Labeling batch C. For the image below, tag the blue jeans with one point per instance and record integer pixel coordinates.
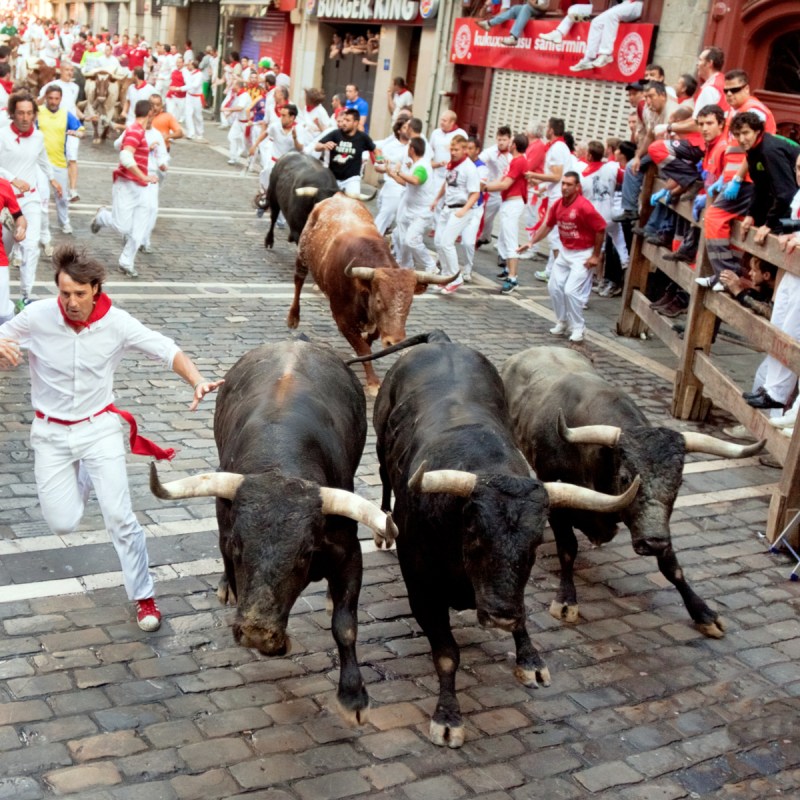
(522, 14)
(632, 185)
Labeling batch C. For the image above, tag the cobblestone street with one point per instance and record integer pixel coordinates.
(642, 706)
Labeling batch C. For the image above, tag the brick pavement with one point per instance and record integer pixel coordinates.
(641, 705)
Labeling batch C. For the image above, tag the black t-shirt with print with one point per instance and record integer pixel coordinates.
(346, 156)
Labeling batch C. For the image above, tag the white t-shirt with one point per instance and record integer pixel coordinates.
(460, 182)
(403, 100)
(496, 162)
(283, 141)
(309, 119)
(69, 94)
(599, 189)
(558, 155)
(417, 199)
(134, 95)
(440, 146)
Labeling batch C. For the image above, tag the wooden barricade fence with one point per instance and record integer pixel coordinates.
(699, 381)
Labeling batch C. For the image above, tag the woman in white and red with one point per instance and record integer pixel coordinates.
(8, 201)
(130, 207)
(581, 230)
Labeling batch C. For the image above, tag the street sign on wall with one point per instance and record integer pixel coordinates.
(478, 48)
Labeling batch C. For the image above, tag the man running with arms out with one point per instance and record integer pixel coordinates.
(581, 231)
(75, 342)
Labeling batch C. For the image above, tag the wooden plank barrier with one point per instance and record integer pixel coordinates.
(699, 380)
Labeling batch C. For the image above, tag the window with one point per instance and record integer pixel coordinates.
(783, 68)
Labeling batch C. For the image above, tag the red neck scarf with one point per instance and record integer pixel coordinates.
(19, 134)
(141, 84)
(553, 141)
(101, 306)
(593, 167)
(454, 164)
(7, 85)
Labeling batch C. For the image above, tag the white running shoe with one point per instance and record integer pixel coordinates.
(603, 60)
(582, 65)
(554, 36)
(561, 329)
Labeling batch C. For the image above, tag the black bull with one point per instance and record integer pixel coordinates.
(293, 172)
(471, 517)
(574, 426)
(290, 426)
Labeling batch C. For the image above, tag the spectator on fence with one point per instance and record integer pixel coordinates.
(521, 14)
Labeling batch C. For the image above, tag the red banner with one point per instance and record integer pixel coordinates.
(476, 47)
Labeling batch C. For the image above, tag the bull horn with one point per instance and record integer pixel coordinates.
(452, 481)
(350, 505)
(307, 191)
(365, 273)
(607, 435)
(209, 484)
(701, 443)
(430, 277)
(568, 495)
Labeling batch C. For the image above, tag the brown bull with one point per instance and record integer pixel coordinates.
(369, 300)
(102, 93)
(39, 75)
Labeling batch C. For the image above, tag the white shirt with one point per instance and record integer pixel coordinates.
(460, 183)
(599, 189)
(133, 96)
(496, 162)
(709, 95)
(440, 146)
(194, 81)
(107, 63)
(283, 141)
(159, 156)
(309, 119)
(417, 199)
(394, 152)
(72, 373)
(24, 159)
(241, 108)
(558, 154)
(188, 56)
(403, 100)
(69, 94)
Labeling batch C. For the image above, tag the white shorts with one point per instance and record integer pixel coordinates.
(72, 146)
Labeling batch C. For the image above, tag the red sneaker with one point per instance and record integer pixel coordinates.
(147, 615)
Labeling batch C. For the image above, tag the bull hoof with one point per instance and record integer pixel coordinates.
(532, 677)
(97, 141)
(292, 321)
(224, 592)
(373, 389)
(354, 716)
(714, 630)
(564, 612)
(446, 735)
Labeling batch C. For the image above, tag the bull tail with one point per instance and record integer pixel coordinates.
(420, 338)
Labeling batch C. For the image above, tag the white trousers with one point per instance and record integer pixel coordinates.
(448, 229)
(780, 380)
(604, 27)
(129, 215)
(388, 203)
(569, 287)
(6, 306)
(508, 222)
(151, 195)
(469, 237)
(491, 207)
(193, 121)
(31, 206)
(350, 186)
(68, 460)
(236, 143)
(177, 107)
(61, 203)
(409, 240)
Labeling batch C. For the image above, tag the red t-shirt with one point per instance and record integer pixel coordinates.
(134, 137)
(578, 223)
(516, 171)
(535, 154)
(78, 49)
(136, 57)
(8, 199)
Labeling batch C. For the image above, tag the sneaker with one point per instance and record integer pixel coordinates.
(614, 291)
(706, 282)
(541, 275)
(48, 250)
(717, 287)
(74, 196)
(509, 41)
(598, 287)
(576, 337)
(145, 248)
(561, 329)
(603, 60)
(739, 432)
(467, 278)
(554, 36)
(582, 65)
(148, 617)
(452, 288)
(66, 229)
(233, 162)
(511, 285)
(503, 274)
(96, 226)
(483, 24)
(129, 271)
(626, 216)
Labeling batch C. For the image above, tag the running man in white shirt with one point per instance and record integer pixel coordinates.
(391, 150)
(193, 119)
(138, 90)
(75, 342)
(285, 136)
(237, 112)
